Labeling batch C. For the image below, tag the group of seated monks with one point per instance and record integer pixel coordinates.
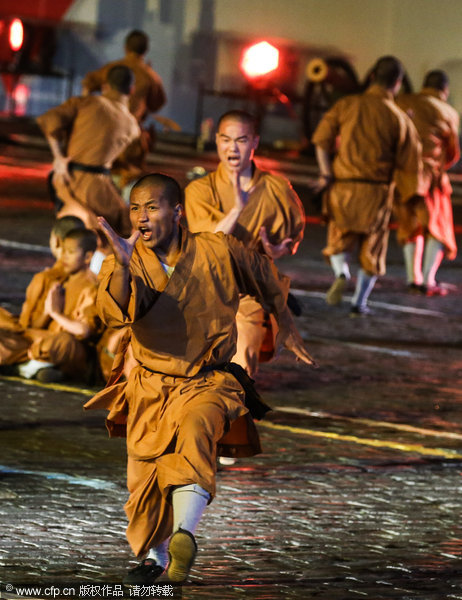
(58, 334)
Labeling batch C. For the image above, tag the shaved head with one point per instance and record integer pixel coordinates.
(172, 190)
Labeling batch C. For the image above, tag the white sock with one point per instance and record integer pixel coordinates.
(29, 369)
(418, 259)
(364, 286)
(159, 554)
(96, 261)
(409, 253)
(433, 256)
(339, 264)
(189, 502)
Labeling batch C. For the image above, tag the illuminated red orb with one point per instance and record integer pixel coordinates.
(16, 36)
(259, 59)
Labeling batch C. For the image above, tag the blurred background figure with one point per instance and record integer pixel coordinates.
(426, 228)
(148, 97)
(377, 148)
(85, 136)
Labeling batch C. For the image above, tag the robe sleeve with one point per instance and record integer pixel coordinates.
(34, 294)
(328, 129)
(86, 312)
(257, 276)
(142, 296)
(294, 214)
(156, 97)
(93, 81)
(58, 120)
(408, 173)
(452, 144)
(201, 207)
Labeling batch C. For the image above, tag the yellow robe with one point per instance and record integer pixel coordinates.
(377, 148)
(95, 130)
(438, 126)
(147, 97)
(271, 203)
(52, 343)
(176, 407)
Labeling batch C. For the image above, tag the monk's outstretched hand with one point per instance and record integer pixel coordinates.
(295, 344)
(275, 251)
(122, 248)
(289, 337)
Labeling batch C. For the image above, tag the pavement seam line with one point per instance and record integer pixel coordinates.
(370, 422)
(416, 448)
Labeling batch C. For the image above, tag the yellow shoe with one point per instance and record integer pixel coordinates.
(335, 292)
(182, 551)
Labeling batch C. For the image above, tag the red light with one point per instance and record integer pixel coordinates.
(16, 36)
(21, 95)
(259, 59)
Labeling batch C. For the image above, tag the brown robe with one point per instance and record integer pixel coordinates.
(95, 130)
(32, 311)
(438, 126)
(52, 343)
(148, 97)
(272, 203)
(377, 149)
(176, 407)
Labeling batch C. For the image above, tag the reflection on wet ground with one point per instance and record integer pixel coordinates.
(356, 494)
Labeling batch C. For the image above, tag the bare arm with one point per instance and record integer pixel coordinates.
(60, 161)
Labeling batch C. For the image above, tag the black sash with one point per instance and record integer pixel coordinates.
(253, 400)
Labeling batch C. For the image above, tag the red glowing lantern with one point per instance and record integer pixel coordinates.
(259, 60)
(16, 35)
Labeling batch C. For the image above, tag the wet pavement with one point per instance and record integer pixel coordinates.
(357, 492)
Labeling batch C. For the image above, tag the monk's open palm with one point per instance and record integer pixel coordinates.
(122, 248)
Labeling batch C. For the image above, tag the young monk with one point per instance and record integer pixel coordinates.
(54, 343)
(179, 293)
(32, 311)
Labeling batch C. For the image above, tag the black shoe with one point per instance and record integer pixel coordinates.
(144, 574)
(49, 375)
(359, 311)
(414, 288)
(182, 551)
(9, 370)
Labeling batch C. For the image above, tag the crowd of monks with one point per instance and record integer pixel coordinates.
(188, 300)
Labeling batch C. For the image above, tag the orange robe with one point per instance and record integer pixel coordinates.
(96, 129)
(438, 126)
(32, 311)
(377, 150)
(52, 343)
(271, 203)
(176, 407)
(148, 97)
